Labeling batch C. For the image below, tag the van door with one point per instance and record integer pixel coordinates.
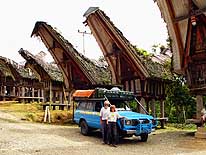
(96, 116)
(89, 109)
(80, 112)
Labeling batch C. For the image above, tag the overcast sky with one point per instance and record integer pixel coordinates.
(139, 20)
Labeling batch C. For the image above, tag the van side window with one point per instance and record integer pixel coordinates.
(81, 106)
(98, 106)
(90, 106)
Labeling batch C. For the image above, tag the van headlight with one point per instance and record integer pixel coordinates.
(128, 122)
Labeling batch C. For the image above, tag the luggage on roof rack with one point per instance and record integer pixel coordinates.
(104, 93)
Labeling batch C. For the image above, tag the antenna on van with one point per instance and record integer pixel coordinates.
(141, 106)
(106, 99)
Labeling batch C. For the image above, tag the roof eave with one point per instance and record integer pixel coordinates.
(90, 11)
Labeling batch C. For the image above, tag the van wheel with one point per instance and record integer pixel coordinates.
(84, 127)
(144, 137)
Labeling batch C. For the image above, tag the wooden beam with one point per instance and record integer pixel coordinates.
(44, 40)
(176, 29)
(103, 47)
(69, 54)
(187, 46)
(194, 13)
(119, 40)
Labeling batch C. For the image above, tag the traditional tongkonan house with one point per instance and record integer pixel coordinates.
(17, 83)
(186, 23)
(8, 77)
(78, 71)
(135, 72)
(48, 74)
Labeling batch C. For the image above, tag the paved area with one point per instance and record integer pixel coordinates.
(22, 138)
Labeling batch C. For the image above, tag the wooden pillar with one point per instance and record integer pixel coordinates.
(39, 95)
(162, 108)
(153, 108)
(64, 95)
(162, 113)
(32, 89)
(23, 93)
(137, 86)
(4, 90)
(50, 92)
(132, 86)
(60, 97)
(142, 102)
(4, 93)
(1, 90)
(127, 85)
(19, 92)
(199, 105)
(63, 99)
(42, 95)
(14, 91)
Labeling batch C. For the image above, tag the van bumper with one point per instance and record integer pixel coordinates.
(130, 132)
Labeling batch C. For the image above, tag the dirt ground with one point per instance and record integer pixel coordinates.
(23, 138)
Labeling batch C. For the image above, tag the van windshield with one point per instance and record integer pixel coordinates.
(120, 105)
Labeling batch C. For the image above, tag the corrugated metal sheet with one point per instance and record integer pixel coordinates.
(83, 93)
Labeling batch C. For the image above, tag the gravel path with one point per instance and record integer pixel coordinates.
(22, 138)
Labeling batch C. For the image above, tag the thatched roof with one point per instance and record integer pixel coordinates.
(95, 73)
(177, 14)
(4, 67)
(50, 69)
(13, 69)
(150, 68)
(164, 56)
(158, 65)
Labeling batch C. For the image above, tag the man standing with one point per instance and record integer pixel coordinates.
(203, 116)
(104, 113)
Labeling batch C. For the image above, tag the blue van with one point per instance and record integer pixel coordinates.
(90, 102)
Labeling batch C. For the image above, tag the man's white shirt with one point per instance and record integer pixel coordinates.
(104, 113)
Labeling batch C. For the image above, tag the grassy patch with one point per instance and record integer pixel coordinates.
(182, 126)
(35, 113)
(170, 127)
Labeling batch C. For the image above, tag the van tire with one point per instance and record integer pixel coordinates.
(84, 128)
(144, 137)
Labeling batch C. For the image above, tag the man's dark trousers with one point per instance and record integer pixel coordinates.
(104, 131)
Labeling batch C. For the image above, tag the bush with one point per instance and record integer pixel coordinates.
(30, 117)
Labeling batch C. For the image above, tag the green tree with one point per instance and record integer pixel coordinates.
(141, 51)
(179, 103)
